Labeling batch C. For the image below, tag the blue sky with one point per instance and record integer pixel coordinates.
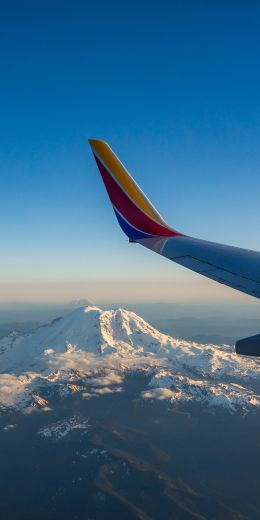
(174, 88)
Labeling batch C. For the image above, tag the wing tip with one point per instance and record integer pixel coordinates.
(94, 142)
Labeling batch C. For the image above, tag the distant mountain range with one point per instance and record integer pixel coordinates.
(92, 350)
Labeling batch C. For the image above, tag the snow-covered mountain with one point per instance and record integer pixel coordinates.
(91, 351)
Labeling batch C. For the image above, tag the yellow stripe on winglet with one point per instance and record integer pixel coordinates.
(120, 174)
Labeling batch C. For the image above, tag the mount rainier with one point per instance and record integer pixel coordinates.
(91, 351)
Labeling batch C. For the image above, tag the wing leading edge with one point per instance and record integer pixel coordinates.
(232, 266)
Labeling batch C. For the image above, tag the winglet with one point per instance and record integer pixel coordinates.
(136, 215)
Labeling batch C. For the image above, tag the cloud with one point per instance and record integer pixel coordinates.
(111, 378)
(14, 391)
(107, 390)
(158, 393)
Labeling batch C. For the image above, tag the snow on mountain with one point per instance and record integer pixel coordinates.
(90, 351)
(62, 428)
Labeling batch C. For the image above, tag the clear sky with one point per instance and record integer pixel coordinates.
(174, 87)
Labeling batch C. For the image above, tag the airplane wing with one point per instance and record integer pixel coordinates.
(232, 266)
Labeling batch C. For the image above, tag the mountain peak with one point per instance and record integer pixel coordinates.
(90, 308)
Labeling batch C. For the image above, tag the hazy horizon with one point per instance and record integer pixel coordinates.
(179, 285)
